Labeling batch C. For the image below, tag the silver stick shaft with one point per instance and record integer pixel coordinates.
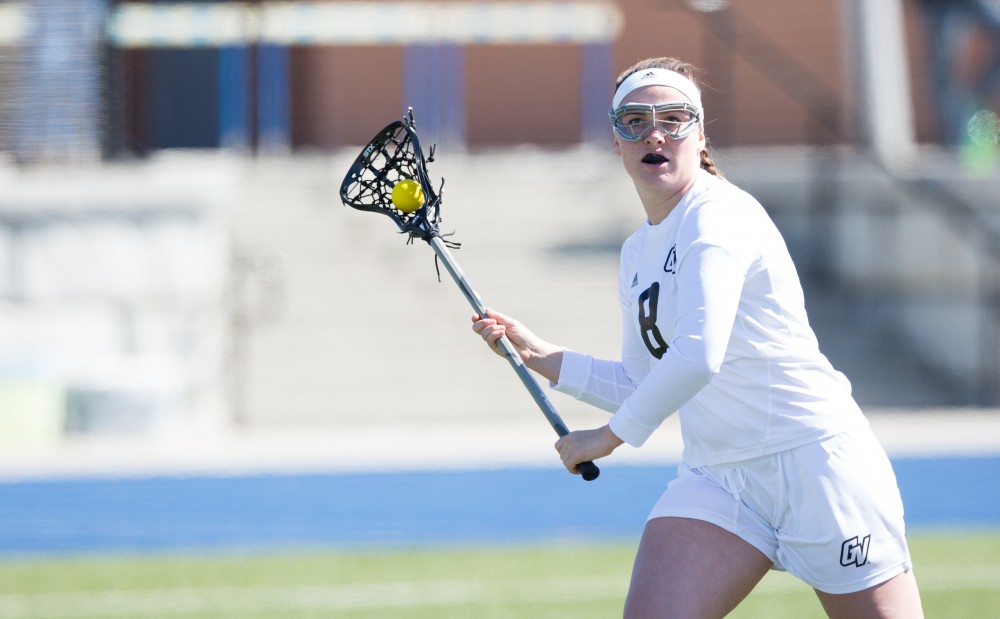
(588, 470)
(505, 346)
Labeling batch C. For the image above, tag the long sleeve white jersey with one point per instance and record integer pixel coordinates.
(714, 326)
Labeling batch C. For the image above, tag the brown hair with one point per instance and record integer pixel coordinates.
(687, 70)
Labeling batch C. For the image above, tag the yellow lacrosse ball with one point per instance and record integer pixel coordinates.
(407, 195)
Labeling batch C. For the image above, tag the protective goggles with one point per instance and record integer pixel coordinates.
(634, 121)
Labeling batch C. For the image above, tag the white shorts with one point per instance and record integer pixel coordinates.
(829, 512)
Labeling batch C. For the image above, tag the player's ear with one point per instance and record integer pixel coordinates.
(616, 147)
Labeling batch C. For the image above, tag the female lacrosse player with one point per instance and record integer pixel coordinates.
(780, 469)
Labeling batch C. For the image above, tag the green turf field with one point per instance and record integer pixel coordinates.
(959, 575)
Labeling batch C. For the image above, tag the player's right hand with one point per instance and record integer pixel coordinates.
(494, 326)
(539, 355)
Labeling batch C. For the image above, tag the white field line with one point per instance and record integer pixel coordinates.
(984, 577)
(182, 601)
(190, 600)
(969, 577)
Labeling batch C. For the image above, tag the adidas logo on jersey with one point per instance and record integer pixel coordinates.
(635, 280)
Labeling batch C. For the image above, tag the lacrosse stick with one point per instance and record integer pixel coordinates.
(393, 156)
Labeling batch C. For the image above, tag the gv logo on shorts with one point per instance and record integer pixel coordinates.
(854, 551)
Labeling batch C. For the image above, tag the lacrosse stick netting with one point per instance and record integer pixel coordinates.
(392, 156)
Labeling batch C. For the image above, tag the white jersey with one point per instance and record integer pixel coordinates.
(714, 325)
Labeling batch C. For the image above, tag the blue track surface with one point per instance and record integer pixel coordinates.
(404, 508)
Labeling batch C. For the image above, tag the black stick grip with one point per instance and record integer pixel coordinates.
(588, 470)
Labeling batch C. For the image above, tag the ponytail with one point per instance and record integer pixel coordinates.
(708, 164)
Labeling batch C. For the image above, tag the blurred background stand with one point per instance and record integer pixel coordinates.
(173, 255)
(112, 298)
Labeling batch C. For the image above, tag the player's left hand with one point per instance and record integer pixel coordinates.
(586, 445)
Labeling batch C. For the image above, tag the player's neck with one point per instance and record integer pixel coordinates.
(659, 203)
(659, 206)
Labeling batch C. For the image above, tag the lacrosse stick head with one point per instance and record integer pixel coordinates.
(392, 156)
